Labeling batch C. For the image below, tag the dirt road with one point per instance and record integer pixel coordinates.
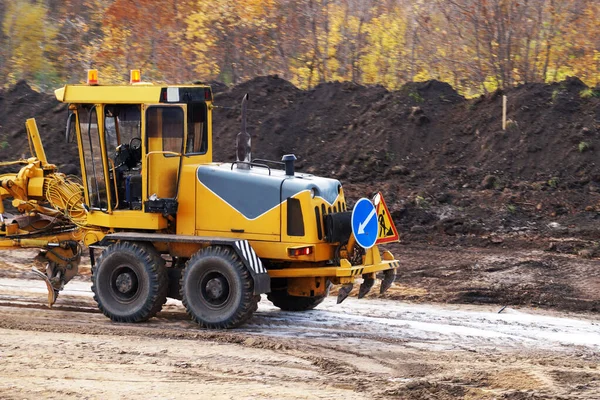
(370, 348)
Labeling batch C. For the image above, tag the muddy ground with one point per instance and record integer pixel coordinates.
(404, 344)
(490, 220)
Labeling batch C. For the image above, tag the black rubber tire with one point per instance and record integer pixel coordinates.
(143, 269)
(287, 302)
(235, 302)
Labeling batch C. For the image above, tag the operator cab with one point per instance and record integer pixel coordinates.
(134, 141)
(122, 125)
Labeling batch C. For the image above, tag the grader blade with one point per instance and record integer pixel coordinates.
(344, 292)
(52, 293)
(388, 278)
(366, 286)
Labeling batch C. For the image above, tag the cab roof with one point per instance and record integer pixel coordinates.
(133, 94)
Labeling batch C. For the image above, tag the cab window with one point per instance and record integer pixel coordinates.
(197, 139)
(165, 123)
(122, 123)
(92, 157)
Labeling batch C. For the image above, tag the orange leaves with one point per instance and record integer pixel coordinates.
(475, 45)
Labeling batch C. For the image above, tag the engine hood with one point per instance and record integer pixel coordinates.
(253, 192)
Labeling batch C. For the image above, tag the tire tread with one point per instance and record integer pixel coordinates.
(153, 264)
(249, 302)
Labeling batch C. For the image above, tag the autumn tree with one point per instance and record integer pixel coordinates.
(3, 39)
(79, 35)
(142, 34)
(475, 45)
(29, 43)
(233, 41)
(385, 52)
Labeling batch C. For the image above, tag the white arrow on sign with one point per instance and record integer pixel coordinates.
(361, 226)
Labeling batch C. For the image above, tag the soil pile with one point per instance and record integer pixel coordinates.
(424, 130)
(19, 103)
(443, 162)
(449, 173)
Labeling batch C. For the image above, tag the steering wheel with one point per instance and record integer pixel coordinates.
(135, 143)
(135, 151)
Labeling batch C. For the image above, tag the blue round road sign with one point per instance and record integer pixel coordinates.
(364, 223)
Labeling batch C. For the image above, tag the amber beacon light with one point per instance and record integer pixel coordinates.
(135, 76)
(92, 77)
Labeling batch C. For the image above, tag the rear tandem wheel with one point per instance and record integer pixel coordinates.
(129, 282)
(217, 290)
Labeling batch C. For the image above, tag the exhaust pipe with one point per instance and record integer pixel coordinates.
(243, 141)
(289, 159)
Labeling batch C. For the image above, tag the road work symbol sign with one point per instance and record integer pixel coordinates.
(387, 230)
(364, 223)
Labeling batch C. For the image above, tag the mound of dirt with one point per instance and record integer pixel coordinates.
(443, 162)
(422, 131)
(19, 103)
(449, 173)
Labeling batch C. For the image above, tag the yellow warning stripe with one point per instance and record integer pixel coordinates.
(340, 271)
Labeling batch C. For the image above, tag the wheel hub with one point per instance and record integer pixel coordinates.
(124, 282)
(215, 288)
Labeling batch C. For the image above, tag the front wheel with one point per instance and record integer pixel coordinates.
(287, 302)
(129, 282)
(217, 289)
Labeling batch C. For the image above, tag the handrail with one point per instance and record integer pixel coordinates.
(269, 161)
(162, 152)
(251, 163)
(112, 163)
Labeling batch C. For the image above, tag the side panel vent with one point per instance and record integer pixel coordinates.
(295, 222)
(319, 228)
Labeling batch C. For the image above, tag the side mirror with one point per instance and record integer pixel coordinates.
(70, 131)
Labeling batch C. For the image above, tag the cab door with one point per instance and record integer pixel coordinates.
(165, 127)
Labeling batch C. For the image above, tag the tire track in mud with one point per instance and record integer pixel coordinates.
(496, 275)
(374, 320)
(221, 365)
(363, 349)
(346, 375)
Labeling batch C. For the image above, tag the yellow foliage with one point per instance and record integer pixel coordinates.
(305, 41)
(386, 51)
(214, 28)
(31, 39)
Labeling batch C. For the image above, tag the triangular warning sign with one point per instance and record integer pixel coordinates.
(387, 230)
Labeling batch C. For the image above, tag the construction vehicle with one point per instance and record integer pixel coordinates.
(161, 219)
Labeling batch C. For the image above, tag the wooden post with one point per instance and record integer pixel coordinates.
(504, 112)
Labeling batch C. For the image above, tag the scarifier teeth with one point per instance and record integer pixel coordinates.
(388, 278)
(328, 285)
(344, 292)
(365, 287)
(52, 293)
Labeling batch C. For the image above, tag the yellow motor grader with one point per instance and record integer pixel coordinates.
(161, 219)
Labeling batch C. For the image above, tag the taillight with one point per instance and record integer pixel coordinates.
(300, 251)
